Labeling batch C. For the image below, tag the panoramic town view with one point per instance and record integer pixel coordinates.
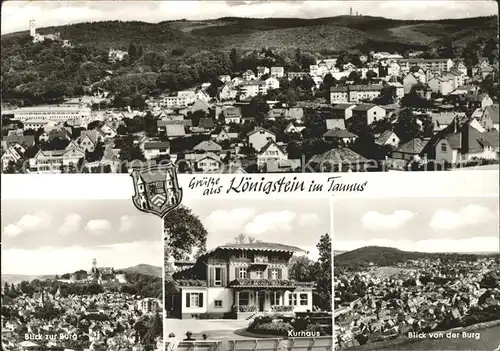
(417, 274)
(96, 284)
(374, 87)
(252, 282)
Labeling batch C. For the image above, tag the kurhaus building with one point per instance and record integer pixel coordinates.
(238, 281)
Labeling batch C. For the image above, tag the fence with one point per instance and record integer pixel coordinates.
(324, 343)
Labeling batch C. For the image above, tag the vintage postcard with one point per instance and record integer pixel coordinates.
(250, 175)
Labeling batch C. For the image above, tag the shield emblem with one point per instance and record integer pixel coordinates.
(157, 189)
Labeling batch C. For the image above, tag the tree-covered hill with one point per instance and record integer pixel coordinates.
(388, 256)
(336, 33)
(119, 35)
(176, 55)
(145, 269)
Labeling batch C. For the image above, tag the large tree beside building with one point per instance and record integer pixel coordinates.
(184, 233)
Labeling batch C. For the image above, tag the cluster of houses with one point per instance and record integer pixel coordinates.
(392, 308)
(90, 322)
(465, 122)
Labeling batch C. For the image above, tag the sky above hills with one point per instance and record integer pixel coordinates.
(420, 224)
(16, 14)
(60, 236)
(291, 222)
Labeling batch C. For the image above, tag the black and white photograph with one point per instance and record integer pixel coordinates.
(416, 274)
(249, 86)
(249, 274)
(81, 275)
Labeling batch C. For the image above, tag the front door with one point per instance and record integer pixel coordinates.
(262, 300)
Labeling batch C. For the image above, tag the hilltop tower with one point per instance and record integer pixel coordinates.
(32, 28)
(350, 13)
(94, 264)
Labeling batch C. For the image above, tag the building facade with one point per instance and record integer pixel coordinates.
(56, 113)
(239, 281)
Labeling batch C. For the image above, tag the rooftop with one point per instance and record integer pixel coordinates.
(339, 133)
(414, 146)
(340, 155)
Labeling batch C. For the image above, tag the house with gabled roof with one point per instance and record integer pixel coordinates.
(442, 85)
(224, 135)
(152, 149)
(89, 138)
(335, 123)
(259, 137)
(208, 162)
(340, 135)
(409, 150)
(232, 114)
(11, 155)
(342, 111)
(208, 146)
(481, 100)
(387, 138)
(239, 281)
(52, 161)
(292, 128)
(338, 160)
(441, 120)
(270, 152)
(462, 142)
(108, 131)
(227, 92)
(489, 119)
(369, 113)
(205, 162)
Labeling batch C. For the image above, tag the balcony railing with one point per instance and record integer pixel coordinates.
(260, 260)
(276, 283)
(191, 282)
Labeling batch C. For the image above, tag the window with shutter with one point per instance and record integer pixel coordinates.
(218, 276)
(200, 300)
(212, 276)
(224, 277)
(280, 273)
(188, 300)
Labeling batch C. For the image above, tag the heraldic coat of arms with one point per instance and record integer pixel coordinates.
(157, 189)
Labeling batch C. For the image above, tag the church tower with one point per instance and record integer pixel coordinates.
(32, 28)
